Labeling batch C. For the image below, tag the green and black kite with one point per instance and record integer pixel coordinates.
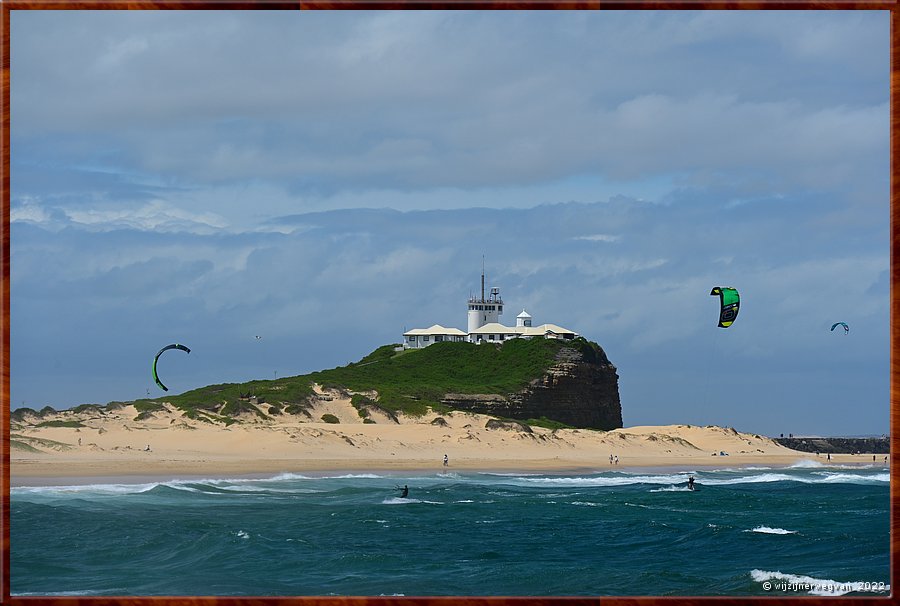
(166, 348)
(730, 303)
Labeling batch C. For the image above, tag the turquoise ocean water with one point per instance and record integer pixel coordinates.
(808, 529)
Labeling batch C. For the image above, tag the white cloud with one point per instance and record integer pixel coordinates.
(28, 210)
(599, 238)
(155, 216)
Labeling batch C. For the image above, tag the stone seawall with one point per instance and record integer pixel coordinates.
(838, 445)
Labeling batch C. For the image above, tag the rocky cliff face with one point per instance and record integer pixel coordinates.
(581, 389)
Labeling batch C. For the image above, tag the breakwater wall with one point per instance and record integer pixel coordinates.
(838, 445)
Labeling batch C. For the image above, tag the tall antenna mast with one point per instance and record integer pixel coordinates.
(482, 277)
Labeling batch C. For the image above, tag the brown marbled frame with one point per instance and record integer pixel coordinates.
(8, 5)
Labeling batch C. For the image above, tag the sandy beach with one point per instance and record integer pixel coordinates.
(113, 444)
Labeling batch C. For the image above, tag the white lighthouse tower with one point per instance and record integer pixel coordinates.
(484, 310)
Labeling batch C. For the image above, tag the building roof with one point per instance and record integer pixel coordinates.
(495, 328)
(436, 329)
(539, 331)
(524, 314)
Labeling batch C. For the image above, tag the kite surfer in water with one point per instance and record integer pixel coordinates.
(403, 491)
(691, 483)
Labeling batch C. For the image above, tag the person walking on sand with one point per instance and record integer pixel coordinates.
(446, 460)
(610, 459)
(617, 459)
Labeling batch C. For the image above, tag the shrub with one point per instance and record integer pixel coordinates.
(61, 424)
(20, 413)
(330, 418)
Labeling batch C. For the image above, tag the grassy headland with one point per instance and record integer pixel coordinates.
(408, 381)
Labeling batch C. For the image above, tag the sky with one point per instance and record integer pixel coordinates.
(327, 180)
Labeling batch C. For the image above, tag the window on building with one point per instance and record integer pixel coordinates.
(426, 338)
(412, 339)
(438, 338)
(490, 337)
(500, 308)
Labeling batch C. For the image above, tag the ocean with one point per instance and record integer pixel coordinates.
(810, 529)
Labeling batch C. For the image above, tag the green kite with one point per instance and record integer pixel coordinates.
(730, 302)
(167, 347)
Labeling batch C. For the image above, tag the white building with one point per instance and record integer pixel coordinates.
(483, 317)
(423, 337)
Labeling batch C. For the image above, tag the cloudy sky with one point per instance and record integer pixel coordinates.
(328, 179)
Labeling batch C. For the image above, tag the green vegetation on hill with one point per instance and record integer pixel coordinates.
(414, 380)
(408, 381)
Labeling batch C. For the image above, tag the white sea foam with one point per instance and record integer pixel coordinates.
(243, 535)
(402, 501)
(781, 583)
(768, 530)
(614, 480)
(586, 504)
(805, 464)
(753, 479)
(242, 489)
(672, 488)
(290, 476)
(853, 478)
(506, 474)
(708, 478)
(97, 489)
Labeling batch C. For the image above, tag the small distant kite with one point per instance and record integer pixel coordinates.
(844, 324)
(166, 348)
(258, 337)
(730, 303)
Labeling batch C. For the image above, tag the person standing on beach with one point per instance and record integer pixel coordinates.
(617, 459)
(446, 460)
(610, 459)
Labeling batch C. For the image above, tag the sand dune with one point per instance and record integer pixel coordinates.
(114, 443)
